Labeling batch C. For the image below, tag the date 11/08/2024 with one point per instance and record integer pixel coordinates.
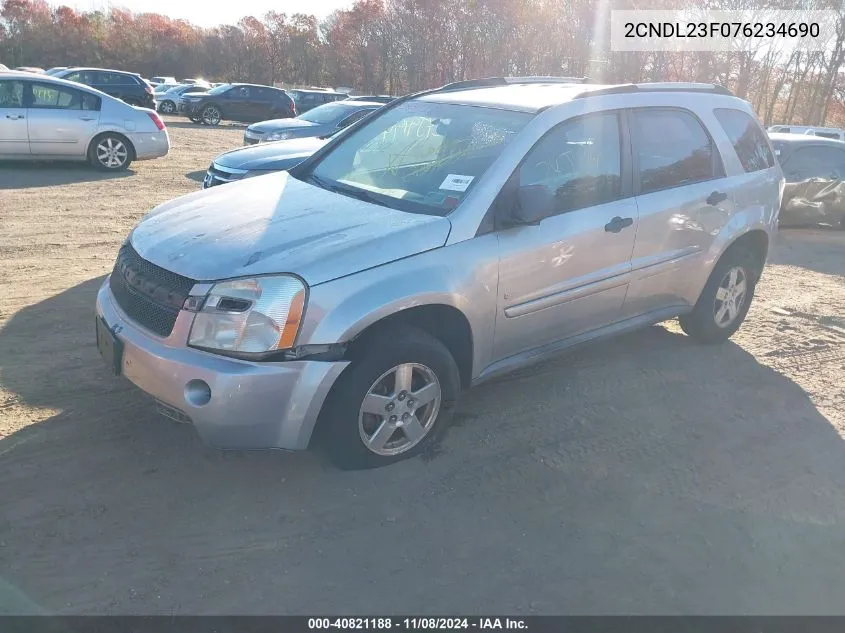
(417, 624)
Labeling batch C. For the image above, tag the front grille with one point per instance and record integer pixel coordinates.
(148, 294)
(217, 175)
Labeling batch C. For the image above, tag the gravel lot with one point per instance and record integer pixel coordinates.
(641, 475)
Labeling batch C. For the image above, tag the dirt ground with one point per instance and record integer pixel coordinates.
(641, 475)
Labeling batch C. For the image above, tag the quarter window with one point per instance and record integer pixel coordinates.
(748, 140)
(579, 162)
(672, 149)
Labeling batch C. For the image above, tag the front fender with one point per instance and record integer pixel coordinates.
(463, 276)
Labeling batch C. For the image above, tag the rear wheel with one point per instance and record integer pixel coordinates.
(110, 152)
(725, 300)
(167, 107)
(211, 115)
(392, 402)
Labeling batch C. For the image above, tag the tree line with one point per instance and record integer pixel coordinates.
(400, 46)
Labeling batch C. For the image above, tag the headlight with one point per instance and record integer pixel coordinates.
(251, 316)
(278, 136)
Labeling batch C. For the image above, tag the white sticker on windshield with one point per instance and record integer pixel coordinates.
(455, 182)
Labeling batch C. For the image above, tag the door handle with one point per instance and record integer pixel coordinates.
(716, 197)
(617, 224)
(15, 117)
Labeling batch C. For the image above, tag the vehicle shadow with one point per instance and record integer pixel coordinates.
(196, 176)
(641, 475)
(817, 249)
(186, 124)
(51, 173)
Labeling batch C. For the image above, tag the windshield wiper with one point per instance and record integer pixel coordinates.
(352, 192)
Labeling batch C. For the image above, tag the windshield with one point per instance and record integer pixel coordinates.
(219, 89)
(328, 113)
(419, 156)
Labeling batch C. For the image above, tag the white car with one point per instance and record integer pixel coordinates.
(45, 118)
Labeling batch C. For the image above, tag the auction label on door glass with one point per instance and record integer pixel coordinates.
(455, 182)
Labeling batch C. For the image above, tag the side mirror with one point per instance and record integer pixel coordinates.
(532, 204)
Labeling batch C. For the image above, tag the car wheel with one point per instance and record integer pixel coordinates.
(110, 152)
(391, 402)
(725, 300)
(167, 107)
(211, 115)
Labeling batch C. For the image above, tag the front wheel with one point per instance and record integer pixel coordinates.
(392, 401)
(110, 152)
(725, 300)
(167, 107)
(211, 115)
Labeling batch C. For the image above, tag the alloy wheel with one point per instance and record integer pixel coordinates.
(730, 296)
(400, 409)
(112, 152)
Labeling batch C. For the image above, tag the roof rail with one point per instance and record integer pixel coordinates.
(488, 82)
(656, 87)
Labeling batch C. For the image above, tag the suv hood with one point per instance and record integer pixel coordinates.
(277, 224)
(270, 155)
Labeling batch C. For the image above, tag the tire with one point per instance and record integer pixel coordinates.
(167, 107)
(713, 320)
(111, 152)
(344, 426)
(211, 115)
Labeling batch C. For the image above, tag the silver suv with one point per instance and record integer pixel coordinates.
(455, 235)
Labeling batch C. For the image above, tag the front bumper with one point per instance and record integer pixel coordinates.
(188, 108)
(252, 405)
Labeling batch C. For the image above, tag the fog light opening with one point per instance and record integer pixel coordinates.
(197, 392)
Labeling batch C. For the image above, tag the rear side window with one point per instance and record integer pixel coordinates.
(748, 139)
(672, 149)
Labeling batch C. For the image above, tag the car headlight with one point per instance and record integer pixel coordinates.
(278, 136)
(250, 316)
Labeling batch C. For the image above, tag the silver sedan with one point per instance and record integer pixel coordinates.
(45, 118)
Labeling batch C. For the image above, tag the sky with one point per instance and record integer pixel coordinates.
(202, 13)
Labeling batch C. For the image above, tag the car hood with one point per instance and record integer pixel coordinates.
(277, 224)
(269, 155)
(275, 125)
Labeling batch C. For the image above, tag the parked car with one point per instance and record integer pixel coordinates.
(55, 69)
(30, 69)
(827, 132)
(196, 81)
(128, 87)
(237, 102)
(50, 118)
(319, 121)
(307, 99)
(814, 168)
(267, 158)
(163, 80)
(453, 236)
(168, 102)
(372, 98)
